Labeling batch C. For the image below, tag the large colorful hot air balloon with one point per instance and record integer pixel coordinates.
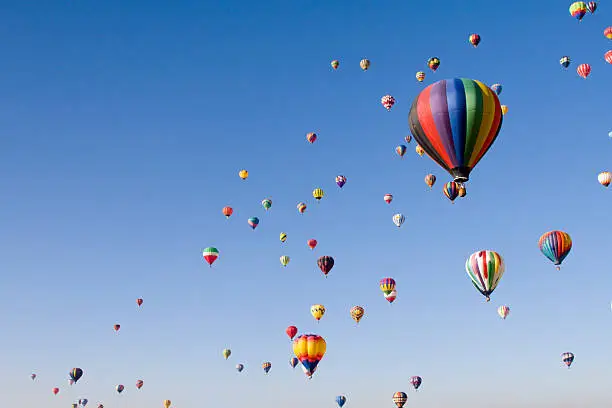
(387, 285)
(340, 400)
(474, 40)
(608, 33)
(291, 331)
(210, 255)
(387, 102)
(309, 350)
(364, 64)
(76, 374)
(485, 269)
(578, 9)
(317, 311)
(567, 358)
(503, 311)
(456, 121)
(555, 245)
(398, 220)
(243, 174)
(325, 263)
(226, 353)
(266, 367)
(228, 211)
(433, 63)
(420, 76)
(312, 243)
(311, 137)
(451, 191)
(400, 150)
(430, 180)
(253, 222)
(604, 178)
(583, 70)
(400, 398)
(565, 61)
(340, 181)
(416, 381)
(357, 313)
(318, 194)
(284, 260)
(335, 64)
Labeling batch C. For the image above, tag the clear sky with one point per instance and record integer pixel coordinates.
(123, 127)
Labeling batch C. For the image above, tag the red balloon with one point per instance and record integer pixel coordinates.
(228, 211)
(139, 301)
(312, 243)
(55, 391)
(583, 70)
(117, 327)
(291, 331)
(608, 57)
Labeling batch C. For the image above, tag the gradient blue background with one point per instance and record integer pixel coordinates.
(123, 127)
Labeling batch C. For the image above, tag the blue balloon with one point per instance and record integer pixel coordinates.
(341, 400)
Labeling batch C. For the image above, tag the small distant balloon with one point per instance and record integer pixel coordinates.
(243, 174)
(335, 64)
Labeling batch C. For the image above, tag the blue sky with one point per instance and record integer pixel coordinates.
(124, 127)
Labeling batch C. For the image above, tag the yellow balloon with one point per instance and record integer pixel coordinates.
(357, 313)
(227, 353)
(419, 150)
(317, 311)
(283, 237)
(167, 403)
(243, 174)
(318, 194)
(504, 109)
(284, 260)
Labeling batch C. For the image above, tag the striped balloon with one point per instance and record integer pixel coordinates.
(451, 191)
(485, 269)
(456, 121)
(555, 245)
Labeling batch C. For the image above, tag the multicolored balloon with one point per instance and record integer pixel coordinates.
(139, 384)
(578, 9)
(420, 76)
(416, 381)
(419, 150)
(239, 367)
(335, 64)
(387, 102)
(309, 350)
(592, 6)
(387, 285)
(565, 61)
(311, 137)
(317, 311)
(497, 88)
(210, 255)
(340, 181)
(485, 269)
(462, 191)
(301, 208)
(451, 191)
(282, 237)
(294, 362)
(391, 296)
(266, 204)
(398, 220)
(608, 33)
(120, 388)
(76, 374)
(408, 138)
(503, 311)
(266, 367)
(318, 194)
(604, 178)
(555, 245)
(284, 260)
(456, 121)
(474, 40)
(400, 150)
(253, 222)
(430, 180)
(116, 327)
(226, 353)
(388, 198)
(364, 64)
(567, 358)
(433, 63)
(357, 313)
(400, 398)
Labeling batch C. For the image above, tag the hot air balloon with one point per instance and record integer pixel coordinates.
(433, 63)
(400, 150)
(139, 384)
(228, 211)
(33, 376)
(243, 174)
(83, 402)
(388, 198)
(364, 64)
(462, 191)
(604, 178)
(398, 220)
(430, 180)
(419, 150)
(291, 331)
(391, 296)
(100, 406)
(311, 137)
(340, 181)
(226, 353)
(504, 109)
(592, 6)
(608, 57)
(301, 207)
(474, 40)
(416, 381)
(335, 64)
(456, 121)
(497, 88)
(503, 311)
(583, 70)
(408, 139)
(139, 301)
(387, 102)
(340, 400)
(71, 381)
(567, 358)
(294, 362)
(565, 61)
(400, 398)
(325, 263)
(357, 313)
(309, 349)
(283, 237)
(420, 76)
(55, 390)
(317, 311)
(266, 367)
(555, 245)
(451, 190)
(239, 367)
(266, 204)
(76, 374)
(387, 285)
(578, 9)
(608, 33)
(485, 269)
(167, 403)
(253, 222)
(312, 243)
(318, 194)
(210, 255)
(120, 388)
(284, 260)
(117, 327)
